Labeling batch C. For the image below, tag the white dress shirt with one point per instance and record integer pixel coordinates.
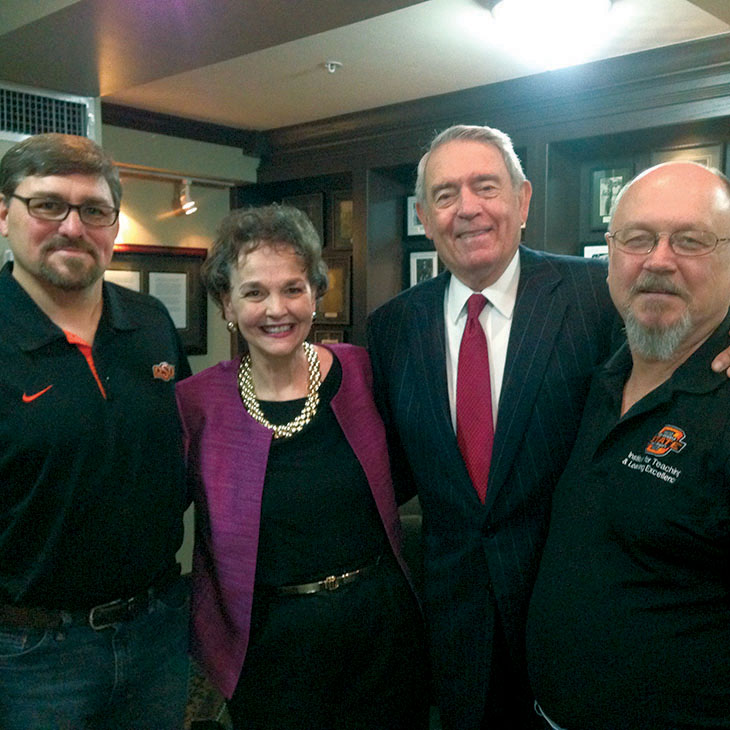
(496, 321)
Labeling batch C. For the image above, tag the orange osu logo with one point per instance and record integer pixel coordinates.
(163, 371)
(669, 438)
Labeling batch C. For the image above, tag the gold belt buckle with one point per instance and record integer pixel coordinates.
(331, 583)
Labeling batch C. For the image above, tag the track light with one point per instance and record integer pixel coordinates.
(186, 203)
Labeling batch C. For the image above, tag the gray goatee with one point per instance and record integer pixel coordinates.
(656, 343)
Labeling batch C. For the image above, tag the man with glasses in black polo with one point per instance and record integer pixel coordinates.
(93, 613)
(629, 623)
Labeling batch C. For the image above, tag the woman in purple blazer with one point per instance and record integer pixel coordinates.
(303, 614)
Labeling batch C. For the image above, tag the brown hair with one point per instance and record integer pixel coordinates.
(247, 229)
(57, 154)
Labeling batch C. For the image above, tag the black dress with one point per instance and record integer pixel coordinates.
(349, 659)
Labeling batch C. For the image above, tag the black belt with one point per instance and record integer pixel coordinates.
(99, 617)
(330, 583)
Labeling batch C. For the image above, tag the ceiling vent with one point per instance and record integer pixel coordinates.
(25, 111)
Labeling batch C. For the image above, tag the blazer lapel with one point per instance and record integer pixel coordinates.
(359, 420)
(538, 317)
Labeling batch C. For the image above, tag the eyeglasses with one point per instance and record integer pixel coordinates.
(683, 243)
(49, 209)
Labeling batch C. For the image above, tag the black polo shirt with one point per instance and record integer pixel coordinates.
(629, 625)
(91, 477)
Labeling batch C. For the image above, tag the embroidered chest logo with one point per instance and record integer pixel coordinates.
(669, 438)
(163, 371)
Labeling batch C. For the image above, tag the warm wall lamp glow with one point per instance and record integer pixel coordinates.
(186, 202)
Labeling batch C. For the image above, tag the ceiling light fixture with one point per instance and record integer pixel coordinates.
(332, 66)
(552, 34)
(553, 7)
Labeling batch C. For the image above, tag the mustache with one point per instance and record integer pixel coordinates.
(656, 284)
(59, 242)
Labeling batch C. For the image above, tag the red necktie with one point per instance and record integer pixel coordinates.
(474, 426)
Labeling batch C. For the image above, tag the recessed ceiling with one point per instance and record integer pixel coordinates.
(259, 64)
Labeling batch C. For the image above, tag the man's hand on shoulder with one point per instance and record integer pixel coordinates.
(722, 362)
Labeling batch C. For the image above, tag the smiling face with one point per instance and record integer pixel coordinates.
(473, 213)
(661, 294)
(68, 254)
(271, 300)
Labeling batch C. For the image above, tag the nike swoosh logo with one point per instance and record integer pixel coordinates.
(29, 398)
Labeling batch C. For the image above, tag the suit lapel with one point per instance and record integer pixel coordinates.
(428, 343)
(538, 317)
(427, 347)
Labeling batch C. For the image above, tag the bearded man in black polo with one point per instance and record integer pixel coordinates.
(93, 613)
(629, 624)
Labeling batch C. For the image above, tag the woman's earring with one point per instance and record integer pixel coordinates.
(314, 316)
(231, 327)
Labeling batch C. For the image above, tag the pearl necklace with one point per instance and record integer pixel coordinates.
(251, 403)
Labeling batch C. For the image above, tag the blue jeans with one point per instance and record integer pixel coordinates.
(131, 676)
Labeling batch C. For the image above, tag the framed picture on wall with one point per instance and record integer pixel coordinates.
(596, 251)
(423, 266)
(341, 214)
(707, 155)
(172, 274)
(605, 185)
(414, 227)
(328, 336)
(313, 205)
(334, 306)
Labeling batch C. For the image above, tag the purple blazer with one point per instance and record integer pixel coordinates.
(226, 453)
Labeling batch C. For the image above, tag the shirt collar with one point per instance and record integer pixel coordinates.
(30, 327)
(693, 375)
(502, 295)
(118, 314)
(26, 323)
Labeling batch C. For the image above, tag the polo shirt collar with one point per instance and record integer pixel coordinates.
(694, 375)
(115, 311)
(31, 328)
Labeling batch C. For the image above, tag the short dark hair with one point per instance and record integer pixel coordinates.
(247, 229)
(57, 154)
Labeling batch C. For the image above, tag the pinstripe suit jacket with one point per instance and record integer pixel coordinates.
(481, 560)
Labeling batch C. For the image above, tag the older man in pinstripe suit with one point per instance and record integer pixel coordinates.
(548, 323)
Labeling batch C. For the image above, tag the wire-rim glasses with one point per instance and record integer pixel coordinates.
(52, 209)
(684, 243)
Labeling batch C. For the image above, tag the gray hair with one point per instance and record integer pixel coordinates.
(485, 135)
(247, 229)
(57, 154)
